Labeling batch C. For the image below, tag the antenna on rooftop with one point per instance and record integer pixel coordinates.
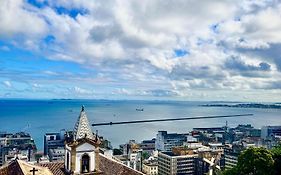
(26, 127)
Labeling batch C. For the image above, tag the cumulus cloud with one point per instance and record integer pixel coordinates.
(149, 93)
(7, 84)
(237, 64)
(272, 53)
(255, 29)
(35, 85)
(4, 48)
(132, 44)
(81, 91)
(185, 72)
(21, 23)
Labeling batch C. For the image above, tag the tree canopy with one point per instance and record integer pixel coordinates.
(276, 151)
(257, 161)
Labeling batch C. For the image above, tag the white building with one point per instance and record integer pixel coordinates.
(56, 154)
(150, 167)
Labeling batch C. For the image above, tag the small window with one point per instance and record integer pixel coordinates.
(67, 161)
(85, 167)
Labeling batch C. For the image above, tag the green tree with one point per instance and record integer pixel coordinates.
(117, 152)
(232, 171)
(276, 151)
(145, 155)
(255, 161)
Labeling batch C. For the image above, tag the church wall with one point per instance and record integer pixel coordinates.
(85, 147)
(79, 161)
(80, 151)
(67, 151)
(65, 160)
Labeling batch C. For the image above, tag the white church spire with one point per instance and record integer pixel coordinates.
(82, 127)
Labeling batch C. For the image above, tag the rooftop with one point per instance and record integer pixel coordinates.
(19, 167)
(107, 167)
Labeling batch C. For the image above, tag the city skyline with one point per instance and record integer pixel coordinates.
(172, 50)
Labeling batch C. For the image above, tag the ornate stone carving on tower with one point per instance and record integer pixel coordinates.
(82, 127)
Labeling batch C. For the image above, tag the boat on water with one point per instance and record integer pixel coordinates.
(139, 109)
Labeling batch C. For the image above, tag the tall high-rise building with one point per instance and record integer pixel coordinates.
(52, 141)
(270, 131)
(165, 141)
(171, 163)
(148, 146)
(230, 156)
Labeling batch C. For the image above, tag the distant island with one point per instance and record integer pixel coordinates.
(62, 99)
(246, 105)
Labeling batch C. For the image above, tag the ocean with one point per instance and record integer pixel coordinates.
(40, 116)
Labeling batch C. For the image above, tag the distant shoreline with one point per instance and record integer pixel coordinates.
(141, 100)
(246, 105)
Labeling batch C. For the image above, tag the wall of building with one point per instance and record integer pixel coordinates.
(85, 148)
(150, 169)
(165, 141)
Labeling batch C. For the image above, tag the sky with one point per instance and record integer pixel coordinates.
(148, 50)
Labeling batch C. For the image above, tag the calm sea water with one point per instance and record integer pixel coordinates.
(40, 116)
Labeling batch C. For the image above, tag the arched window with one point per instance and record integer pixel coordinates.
(85, 164)
(67, 161)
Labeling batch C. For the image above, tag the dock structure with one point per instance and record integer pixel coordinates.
(170, 119)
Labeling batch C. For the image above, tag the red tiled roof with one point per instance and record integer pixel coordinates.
(19, 167)
(111, 167)
(12, 168)
(57, 168)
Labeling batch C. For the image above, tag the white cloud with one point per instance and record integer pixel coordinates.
(35, 85)
(122, 91)
(81, 91)
(132, 43)
(254, 30)
(4, 48)
(7, 84)
(20, 19)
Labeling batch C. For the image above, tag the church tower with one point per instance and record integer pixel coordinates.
(82, 152)
(82, 127)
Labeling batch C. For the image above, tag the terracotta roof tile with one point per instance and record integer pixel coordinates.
(57, 168)
(19, 167)
(112, 167)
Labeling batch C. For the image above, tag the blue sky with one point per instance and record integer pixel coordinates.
(177, 50)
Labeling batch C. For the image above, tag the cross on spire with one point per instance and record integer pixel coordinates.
(97, 134)
(33, 171)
